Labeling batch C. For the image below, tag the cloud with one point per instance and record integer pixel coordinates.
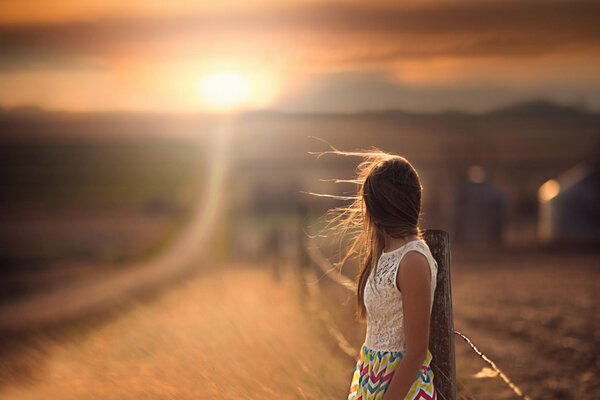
(322, 35)
(357, 92)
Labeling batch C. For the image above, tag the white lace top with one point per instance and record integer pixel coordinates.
(383, 300)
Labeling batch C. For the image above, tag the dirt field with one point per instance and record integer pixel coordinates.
(535, 315)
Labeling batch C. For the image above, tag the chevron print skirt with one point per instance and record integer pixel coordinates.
(374, 371)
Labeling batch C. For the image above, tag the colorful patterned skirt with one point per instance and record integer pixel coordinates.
(374, 371)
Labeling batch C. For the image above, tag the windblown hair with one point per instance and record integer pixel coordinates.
(388, 201)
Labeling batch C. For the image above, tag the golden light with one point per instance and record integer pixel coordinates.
(548, 190)
(224, 91)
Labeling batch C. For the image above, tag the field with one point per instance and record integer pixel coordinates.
(531, 312)
(235, 332)
(536, 316)
(231, 332)
(81, 208)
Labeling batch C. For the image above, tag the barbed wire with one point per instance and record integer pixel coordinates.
(323, 315)
(325, 265)
(492, 364)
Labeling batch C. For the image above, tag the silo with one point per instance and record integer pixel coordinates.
(569, 206)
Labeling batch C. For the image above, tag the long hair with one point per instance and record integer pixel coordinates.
(387, 202)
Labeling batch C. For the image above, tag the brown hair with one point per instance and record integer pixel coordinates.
(388, 202)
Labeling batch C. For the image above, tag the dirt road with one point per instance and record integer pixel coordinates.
(229, 334)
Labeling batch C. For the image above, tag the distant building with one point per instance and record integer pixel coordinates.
(570, 206)
(479, 210)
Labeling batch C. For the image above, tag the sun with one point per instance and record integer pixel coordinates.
(224, 91)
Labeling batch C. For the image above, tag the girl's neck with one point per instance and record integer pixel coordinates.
(393, 243)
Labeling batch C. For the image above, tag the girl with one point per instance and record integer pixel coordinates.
(396, 281)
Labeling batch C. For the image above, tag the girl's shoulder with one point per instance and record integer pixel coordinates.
(420, 246)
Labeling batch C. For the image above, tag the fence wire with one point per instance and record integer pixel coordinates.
(312, 286)
(492, 364)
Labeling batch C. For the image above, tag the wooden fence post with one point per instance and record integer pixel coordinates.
(441, 338)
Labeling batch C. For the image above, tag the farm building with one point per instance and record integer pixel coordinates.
(479, 210)
(570, 206)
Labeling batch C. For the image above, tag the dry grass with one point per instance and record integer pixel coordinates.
(230, 334)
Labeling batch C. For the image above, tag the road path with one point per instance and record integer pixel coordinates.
(230, 333)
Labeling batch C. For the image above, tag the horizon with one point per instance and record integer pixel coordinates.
(517, 105)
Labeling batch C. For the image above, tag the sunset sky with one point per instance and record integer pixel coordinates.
(302, 55)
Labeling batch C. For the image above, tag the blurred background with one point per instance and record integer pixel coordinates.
(154, 169)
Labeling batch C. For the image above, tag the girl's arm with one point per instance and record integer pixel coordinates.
(414, 281)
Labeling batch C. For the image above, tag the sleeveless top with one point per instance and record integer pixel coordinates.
(383, 300)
